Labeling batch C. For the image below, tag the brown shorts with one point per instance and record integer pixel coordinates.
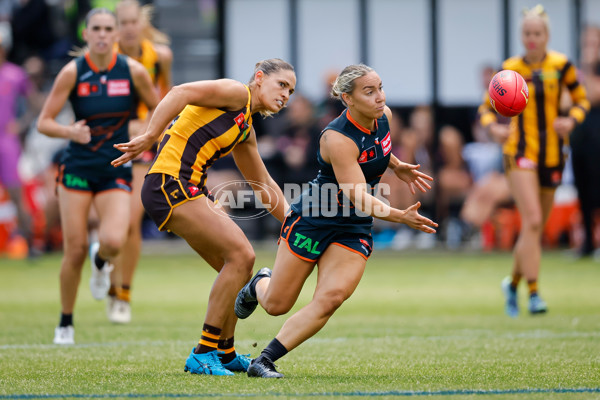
(161, 193)
(549, 177)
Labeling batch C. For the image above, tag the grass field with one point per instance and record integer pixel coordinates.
(418, 325)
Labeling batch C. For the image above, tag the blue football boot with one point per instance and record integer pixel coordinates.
(537, 305)
(240, 363)
(511, 308)
(205, 364)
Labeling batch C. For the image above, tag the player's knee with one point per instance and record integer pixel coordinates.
(111, 246)
(276, 306)
(532, 223)
(243, 257)
(331, 301)
(75, 252)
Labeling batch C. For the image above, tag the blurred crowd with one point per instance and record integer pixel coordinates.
(470, 198)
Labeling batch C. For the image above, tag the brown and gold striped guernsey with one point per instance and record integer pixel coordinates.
(197, 138)
(532, 134)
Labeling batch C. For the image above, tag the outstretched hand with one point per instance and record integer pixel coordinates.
(410, 174)
(415, 220)
(131, 149)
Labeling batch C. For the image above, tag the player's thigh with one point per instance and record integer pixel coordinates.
(138, 171)
(113, 212)
(525, 188)
(74, 207)
(208, 230)
(288, 277)
(340, 271)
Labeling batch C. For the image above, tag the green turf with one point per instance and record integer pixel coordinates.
(417, 323)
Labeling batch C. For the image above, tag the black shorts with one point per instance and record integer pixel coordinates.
(161, 193)
(549, 177)
(308, 242)
(115, 178)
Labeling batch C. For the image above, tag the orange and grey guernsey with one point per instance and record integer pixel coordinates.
(532, 133)
(198, 137)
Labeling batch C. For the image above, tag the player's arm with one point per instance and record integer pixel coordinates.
(581, 104)
(255, 172)
(565, 125)
(489, 121)
(487, 115)
(63, 85)
(222, 93)
(408, 172)
(144, 87)
(165, 61)
(341, 152)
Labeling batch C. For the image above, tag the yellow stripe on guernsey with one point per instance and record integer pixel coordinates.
(199, 137)
(532, 133)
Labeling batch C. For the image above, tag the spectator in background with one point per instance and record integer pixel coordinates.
(41, 153)
(397, 194)
(32, 30)
(533, 147)
(484, 159)
(299, 141)
(421, 121)
(328, 108)
(454, 182)
(406, 145)
(585, 141)
(421, 124)
(14, 85)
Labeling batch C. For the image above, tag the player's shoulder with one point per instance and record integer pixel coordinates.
(513, 63)
(556, 58)
(233, 86)
(164, 52)
(135, 67)
(70, 69)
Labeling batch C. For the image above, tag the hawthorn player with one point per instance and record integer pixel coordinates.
(533, 147)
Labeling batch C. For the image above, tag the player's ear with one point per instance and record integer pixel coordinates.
(259, 77)
(347, 99)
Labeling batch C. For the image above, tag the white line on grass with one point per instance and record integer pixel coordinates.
(537, 334)
(392, 393)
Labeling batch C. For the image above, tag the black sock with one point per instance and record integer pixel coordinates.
(65, 320)
(275, 350)
(98, 261)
